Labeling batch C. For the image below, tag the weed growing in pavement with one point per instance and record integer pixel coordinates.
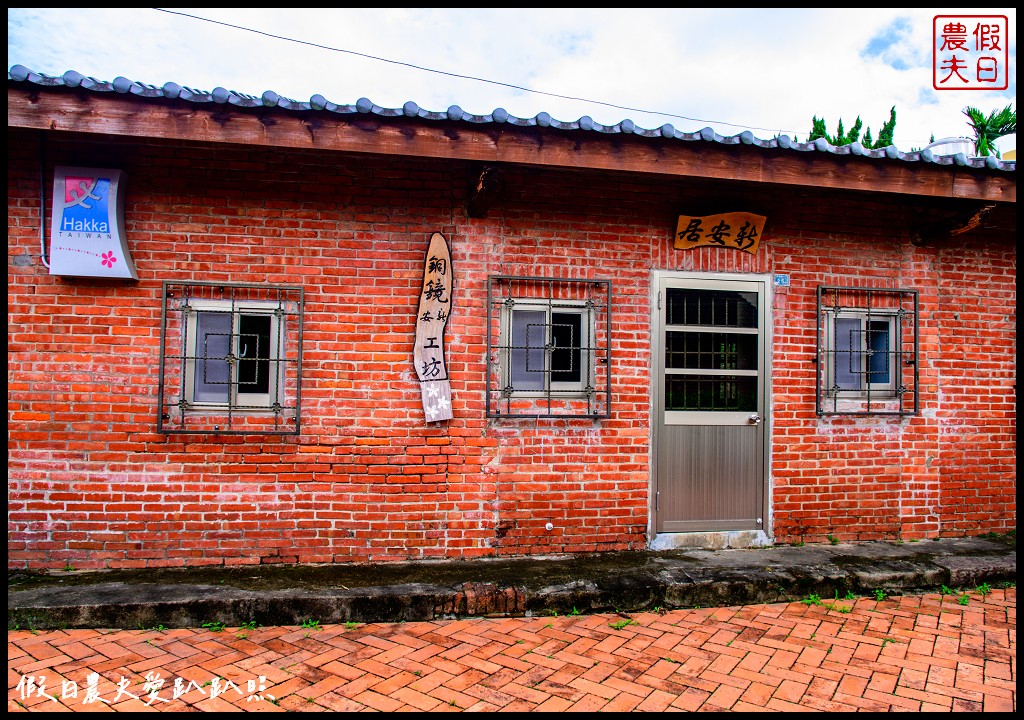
(576, 612)
(69, 568)
(351, 625)
(214, 626)
(834, 605)
(886, 641)
(812, 600)
(1007, 538)
(984, 589)
(833, 539)
(849, 595)
(620, 624)
(880, 594)
(963, 599)
(311, 625)
(945, 591)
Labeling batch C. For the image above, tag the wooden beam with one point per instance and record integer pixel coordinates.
(124, 115)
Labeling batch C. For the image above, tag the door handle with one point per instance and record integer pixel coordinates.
(755, 419)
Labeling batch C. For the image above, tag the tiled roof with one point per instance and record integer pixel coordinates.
(270, 99)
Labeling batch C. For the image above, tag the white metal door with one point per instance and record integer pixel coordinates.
(710, 400)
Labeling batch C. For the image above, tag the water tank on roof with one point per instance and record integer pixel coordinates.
(952, 146)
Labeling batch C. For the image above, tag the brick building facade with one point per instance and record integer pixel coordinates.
(100, 476)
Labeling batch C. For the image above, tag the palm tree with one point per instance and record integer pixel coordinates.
(988, 129)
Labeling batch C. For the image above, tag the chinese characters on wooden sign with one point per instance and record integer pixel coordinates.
(738, 230)
(431, 320)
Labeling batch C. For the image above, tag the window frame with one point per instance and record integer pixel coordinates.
(236, 400)
(588, 397)
(898, 309)
(278, 410)
(509, 347)
(882, 390)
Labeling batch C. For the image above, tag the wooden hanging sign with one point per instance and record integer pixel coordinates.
(431, 321)
(737, 230)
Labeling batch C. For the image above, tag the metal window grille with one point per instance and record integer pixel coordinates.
(867, 359)
(548, 347)
(230, 359)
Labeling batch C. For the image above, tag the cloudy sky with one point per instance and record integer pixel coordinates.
(768, 71)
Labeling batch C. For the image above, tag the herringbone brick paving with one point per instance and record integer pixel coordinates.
(915, 653)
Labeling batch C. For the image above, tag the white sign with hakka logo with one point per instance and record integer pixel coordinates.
(87, 236)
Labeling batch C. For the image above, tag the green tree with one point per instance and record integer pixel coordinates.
(842, 137)
(884, 135)
(989, 129)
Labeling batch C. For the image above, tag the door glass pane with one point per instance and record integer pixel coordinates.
(529, 336)
(710, 351)
(710, 393)
(213, 344)
(711, 307)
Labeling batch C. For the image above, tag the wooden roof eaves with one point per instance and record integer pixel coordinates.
(69, 110)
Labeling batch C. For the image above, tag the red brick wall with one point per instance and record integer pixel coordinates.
(92, 484)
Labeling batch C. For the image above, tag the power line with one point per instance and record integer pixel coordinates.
(465, 77)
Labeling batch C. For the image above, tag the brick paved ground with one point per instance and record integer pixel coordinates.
(912, 653)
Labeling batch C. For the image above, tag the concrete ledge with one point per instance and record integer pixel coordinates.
(631, 581)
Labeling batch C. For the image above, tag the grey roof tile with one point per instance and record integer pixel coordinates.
(454, 113)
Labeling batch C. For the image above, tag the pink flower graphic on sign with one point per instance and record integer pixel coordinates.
(108, 259)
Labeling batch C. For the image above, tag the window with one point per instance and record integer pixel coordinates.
(231, 358)
(548, 347)
(233, 355)
(867, 351)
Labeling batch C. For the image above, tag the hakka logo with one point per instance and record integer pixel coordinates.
(86, 205)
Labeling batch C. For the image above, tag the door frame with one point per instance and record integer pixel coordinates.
(766, 533)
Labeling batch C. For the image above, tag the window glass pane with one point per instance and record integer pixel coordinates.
(213, 344)
(566, 337)
(254, 353)
(849, 346)
(710, 393)
(710, 351)
(878, 359)
(529, 336)
(711, 307)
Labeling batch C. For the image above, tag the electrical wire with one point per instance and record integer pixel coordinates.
(465, 77)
